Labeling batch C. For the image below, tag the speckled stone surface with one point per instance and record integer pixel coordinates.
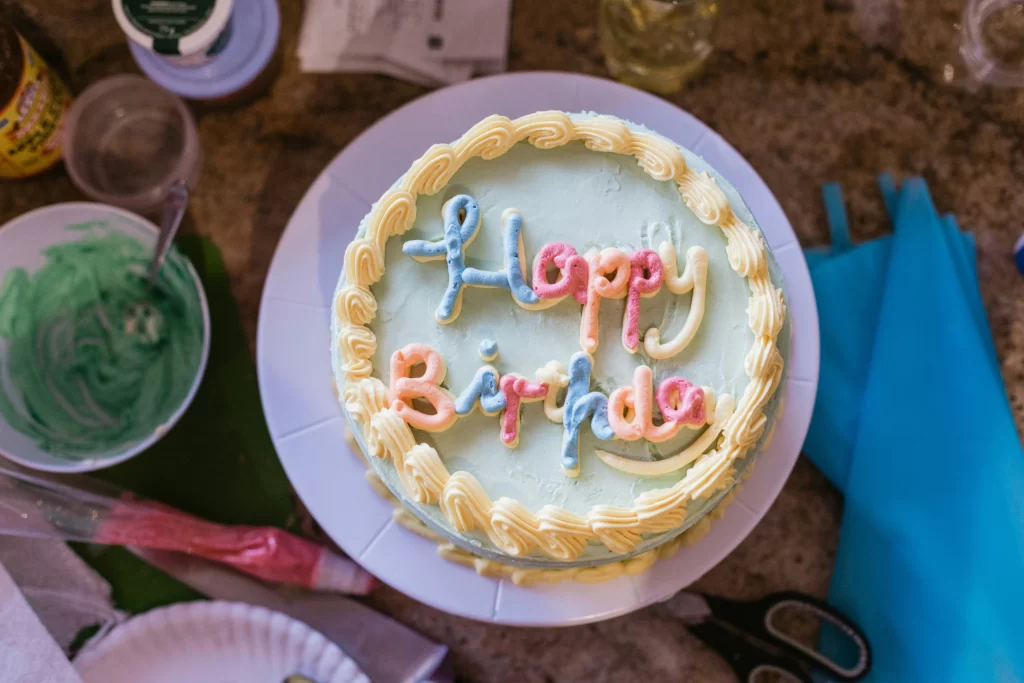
(792, 86)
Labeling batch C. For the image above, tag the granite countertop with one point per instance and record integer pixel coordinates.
(792, 86)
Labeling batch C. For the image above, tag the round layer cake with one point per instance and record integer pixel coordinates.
(559, 339)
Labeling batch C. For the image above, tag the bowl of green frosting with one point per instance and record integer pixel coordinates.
(96, 364)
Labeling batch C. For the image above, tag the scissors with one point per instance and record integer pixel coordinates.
(748, 636)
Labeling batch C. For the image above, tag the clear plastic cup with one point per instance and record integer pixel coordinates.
(993, 42)
(128, 141)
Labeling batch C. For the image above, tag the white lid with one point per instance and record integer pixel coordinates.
(173, 27)
(255, 26)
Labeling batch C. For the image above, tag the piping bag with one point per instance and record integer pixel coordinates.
(81, 509)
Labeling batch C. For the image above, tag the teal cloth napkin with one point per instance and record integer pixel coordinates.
(912, 423)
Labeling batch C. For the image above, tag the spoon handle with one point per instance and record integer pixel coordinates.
(170, 219)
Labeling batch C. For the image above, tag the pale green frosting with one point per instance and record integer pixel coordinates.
(97, 359)
(589, 200)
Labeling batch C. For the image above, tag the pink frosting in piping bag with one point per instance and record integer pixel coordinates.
(267, 553)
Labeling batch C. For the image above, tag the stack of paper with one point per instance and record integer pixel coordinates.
(428, 42)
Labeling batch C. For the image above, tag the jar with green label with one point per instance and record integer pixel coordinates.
(185, 32)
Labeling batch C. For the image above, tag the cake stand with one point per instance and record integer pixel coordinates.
(294, 361)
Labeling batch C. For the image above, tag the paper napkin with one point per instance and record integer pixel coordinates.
(427, 42)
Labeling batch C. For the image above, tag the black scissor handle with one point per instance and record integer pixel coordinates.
(746, 660)
(758, 618)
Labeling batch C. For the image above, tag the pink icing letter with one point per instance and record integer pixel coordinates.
(404, 389)
(640, 285)
(572, 277)
(515, 388)
(602, 264)
(689, 409)
(639, 398)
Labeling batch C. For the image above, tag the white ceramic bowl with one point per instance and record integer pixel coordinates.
(22, 242)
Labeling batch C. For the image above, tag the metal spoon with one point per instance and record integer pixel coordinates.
(170, 219)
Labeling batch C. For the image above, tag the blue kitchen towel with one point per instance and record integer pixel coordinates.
(931, 554)
(848, 283)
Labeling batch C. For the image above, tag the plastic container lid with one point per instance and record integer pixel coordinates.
(173, 27)
(255, 26)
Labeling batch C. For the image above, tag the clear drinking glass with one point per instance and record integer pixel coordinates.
(128, 142)
(992, 42)
(657, 44)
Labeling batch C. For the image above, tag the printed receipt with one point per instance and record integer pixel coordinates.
(428, 42)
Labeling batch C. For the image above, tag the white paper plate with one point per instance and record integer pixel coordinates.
(214, 642)
(294, 363)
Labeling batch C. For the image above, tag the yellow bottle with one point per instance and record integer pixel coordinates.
(33, 101)
(657, 44)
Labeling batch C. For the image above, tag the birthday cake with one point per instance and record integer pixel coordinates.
(559, 339)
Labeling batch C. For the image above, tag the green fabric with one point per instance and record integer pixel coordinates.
(218, 462)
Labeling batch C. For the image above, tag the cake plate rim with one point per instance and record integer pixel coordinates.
(294, 365)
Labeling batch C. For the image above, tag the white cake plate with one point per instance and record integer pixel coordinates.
(294, 361)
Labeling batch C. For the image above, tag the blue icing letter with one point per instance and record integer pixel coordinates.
(484, 388)
(488, 349)
(511, 277)
(456, 235)
(512, 223)
(581, 403)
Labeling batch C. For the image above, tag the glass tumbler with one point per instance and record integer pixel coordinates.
(657, 45)
(128, 142)
(992, 42)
